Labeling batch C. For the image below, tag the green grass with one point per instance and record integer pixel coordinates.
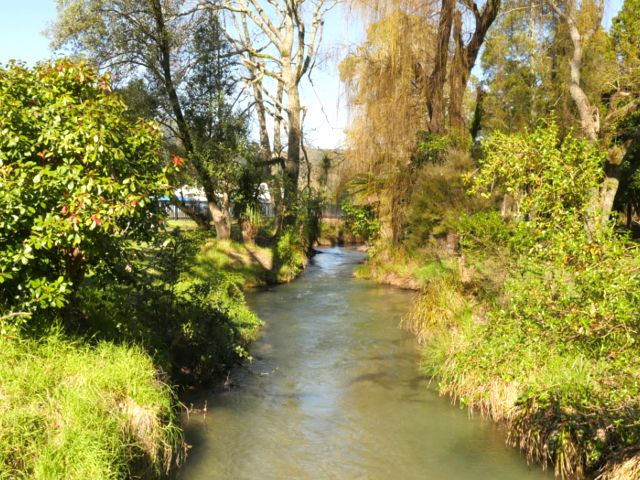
(389, 265)
(76, 412)
(182, 224)
(253, 264)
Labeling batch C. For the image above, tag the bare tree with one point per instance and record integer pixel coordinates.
(280, 40)
(568, 11)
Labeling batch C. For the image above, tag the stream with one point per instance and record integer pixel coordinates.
(334, 392)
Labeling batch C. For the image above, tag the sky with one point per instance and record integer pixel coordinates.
(23, 22)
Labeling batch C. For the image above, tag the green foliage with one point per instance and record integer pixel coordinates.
(438, 198)
(289, 255)
(183, 308)
(549, 179)
(78, 181)
(309, 217)
(526, 67)
(625, 30)
(549, 347)
(434, 148)
(75, 412)
(360, 220)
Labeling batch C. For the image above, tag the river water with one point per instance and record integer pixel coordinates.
(334, 392)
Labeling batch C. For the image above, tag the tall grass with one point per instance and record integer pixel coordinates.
(76, 412)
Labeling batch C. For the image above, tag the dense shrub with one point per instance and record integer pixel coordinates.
(360, 220)
(550, 346)
(77, 182)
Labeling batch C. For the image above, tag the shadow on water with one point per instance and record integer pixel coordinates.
(334, 392)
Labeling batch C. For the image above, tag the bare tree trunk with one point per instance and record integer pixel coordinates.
(435, 91)
(221, 221)
(277, 121)
(604, 197)
(589, 117)
(292, 162)
(221, 218)
(457, 78)
(465, 57)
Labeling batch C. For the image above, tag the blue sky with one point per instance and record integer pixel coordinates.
(22, 23)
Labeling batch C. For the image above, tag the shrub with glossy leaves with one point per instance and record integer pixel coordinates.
(78, 180)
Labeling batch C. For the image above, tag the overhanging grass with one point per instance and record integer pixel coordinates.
(564, 405)
(75, 412)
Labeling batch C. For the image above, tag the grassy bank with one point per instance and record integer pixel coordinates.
(546, 348)
(101, 409)
(72, 411)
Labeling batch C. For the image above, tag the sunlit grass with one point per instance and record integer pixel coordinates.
(75, 412)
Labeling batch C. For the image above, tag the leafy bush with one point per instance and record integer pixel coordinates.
(548, 179)
(552, 352)
(78, 180)
(290, 255)
(439, 197)
(188, 313)
(360, 220)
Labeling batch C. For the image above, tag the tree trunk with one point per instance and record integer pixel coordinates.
(589, 117)
(292, 162)
(465, 57)
(201, 220)
(435, 90)
(221, 221)
(457, 78)
(277, 121)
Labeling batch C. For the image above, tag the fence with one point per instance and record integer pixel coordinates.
(268, 209)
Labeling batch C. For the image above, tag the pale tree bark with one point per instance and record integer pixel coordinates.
(603, 199)
(288, 55)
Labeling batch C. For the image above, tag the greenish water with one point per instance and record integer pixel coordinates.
(334, 392)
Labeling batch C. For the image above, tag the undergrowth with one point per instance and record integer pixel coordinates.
(533, 319)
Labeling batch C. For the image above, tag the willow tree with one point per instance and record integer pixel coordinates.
(455, 45)
(386, 79)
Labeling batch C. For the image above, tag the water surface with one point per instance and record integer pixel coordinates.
(334, 392)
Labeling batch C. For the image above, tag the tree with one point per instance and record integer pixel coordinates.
(622, 123)
(445, 112)
(386, 82)
(154, 40)
(280, 39)
(218, 131)
(583, 22)
(78, 181)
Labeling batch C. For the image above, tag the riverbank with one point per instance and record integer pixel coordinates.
(73, 411)
(77, 409)
(497, 337)
(334, 383)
